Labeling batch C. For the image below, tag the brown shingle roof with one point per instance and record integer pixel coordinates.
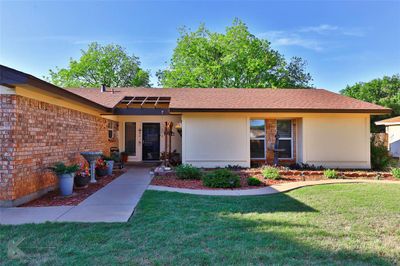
(389, 121)
(207, 99)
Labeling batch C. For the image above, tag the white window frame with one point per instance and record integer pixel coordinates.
(285, 138)
(264, 138)
(111, 127)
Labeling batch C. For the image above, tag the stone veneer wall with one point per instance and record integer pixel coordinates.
(34, 135)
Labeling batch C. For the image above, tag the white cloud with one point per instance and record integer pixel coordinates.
(320, 29)
(282, 38)
(309, 37)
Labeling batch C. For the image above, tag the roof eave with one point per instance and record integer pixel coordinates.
(12, 77)
(278, 110)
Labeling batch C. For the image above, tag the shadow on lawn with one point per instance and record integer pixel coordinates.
(267, 226)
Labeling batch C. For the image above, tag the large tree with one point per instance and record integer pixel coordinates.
(235, 58)
(110, 65)
(383, 91)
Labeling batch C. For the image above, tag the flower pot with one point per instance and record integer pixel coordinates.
(66, 183)
(81, 181)
(100, 172)
(110, 166)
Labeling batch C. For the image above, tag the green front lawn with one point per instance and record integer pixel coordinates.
(345, 224)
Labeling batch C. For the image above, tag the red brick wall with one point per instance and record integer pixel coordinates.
(41, 135)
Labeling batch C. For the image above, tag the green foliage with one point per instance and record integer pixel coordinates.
(270, 172)
(380, 157)
(187, 171)
(232, 59)
(396, 172)
(331, 174)
(60, 168)
(109, 65)
(383, 91)
(221, 178)
(252, 181)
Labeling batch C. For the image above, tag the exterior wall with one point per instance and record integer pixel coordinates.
(37, 134)
(336, 141)
(216, 140)
(394, 139)
(329, 140)
(176, 139)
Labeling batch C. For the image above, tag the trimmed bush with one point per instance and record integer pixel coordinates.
(380, 157)
(252, 181)
(271, 173)
(187, 171)
(331, 174)
(221, 178)
(396, 172)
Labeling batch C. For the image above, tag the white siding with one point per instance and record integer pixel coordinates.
(337, 141)
(216, 140)
(394, 139)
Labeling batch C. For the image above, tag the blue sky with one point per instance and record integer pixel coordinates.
(343, 41)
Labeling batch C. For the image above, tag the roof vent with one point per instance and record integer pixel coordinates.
(103, 88)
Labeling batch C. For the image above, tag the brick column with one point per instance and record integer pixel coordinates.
(270, 139)
(8, 118)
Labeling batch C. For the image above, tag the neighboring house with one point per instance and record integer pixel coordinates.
(41, 124)
(393, 130)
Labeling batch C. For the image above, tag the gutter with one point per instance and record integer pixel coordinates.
(294, 110)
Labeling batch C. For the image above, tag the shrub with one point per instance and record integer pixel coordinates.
(380, 157)
(271, 173)
(396, 172)
(221, 178)
(252, 181)
(60, 168)
(331, 173)
(187, 171)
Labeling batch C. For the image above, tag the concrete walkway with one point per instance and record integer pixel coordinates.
(265, 190)
(113, 203)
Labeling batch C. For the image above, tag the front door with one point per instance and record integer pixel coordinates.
(151, 142)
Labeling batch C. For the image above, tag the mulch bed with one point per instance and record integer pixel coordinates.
(170, 179)
(53, 198)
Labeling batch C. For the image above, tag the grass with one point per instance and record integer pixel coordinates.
(346, 224)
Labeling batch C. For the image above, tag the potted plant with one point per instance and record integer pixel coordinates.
(65, 175)
(101, 168)
(82, 177)
(124, 156)
(110, 164)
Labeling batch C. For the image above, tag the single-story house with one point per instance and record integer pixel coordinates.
(392, 126)
(41, 123)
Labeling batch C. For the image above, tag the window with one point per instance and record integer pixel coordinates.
(284, 128)
(257, 139)
(111, 130)
(130, 138)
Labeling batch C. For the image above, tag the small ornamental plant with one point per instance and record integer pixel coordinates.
(221, 178)
(252, 181)
(396, 172)
(187, 171)
(331, 174)
(101, 164)
(83, 170)
(270, 172)
(62, 169)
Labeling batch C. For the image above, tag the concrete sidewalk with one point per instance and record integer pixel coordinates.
(113, 203)
(284, 187)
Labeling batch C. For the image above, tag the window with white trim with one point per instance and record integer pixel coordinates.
(285, 131)
(111, 130)
(257, 139)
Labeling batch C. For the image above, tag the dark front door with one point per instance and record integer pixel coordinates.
(151, 142)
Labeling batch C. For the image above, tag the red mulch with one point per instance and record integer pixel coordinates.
(53, 198)
(170, 180)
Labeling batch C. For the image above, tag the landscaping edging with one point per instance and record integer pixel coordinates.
(278, 188)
